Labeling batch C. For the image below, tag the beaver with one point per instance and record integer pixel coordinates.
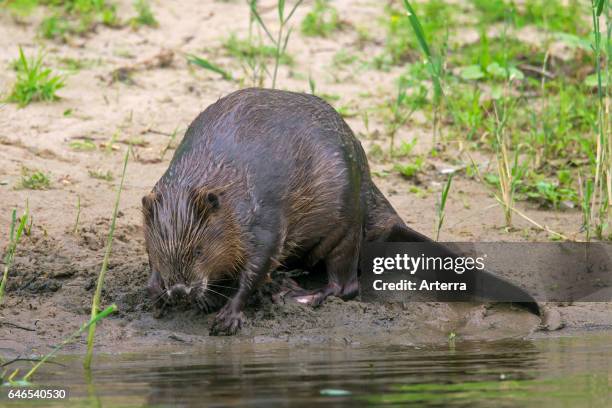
(261, 177)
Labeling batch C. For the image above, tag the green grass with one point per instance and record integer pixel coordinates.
(144, 15)
(25, 380)
(34, 81)
(209, 66)
(33, 180)
(84, 145)
(78, 215)
(18, 227)
(101, 175)
(441, 207)
(20, 8)
(243, 50)
(280, 40)
(554, 15)
(95, 307)
(410, 170)
(435, 18)
(68, 17)
(321, 21)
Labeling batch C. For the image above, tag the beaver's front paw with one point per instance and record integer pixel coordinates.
(227, 322)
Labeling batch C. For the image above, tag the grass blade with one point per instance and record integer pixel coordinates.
(260, 21)
(202, 63)
(98, 294)
(16, 231)
(418, 28)
(68, 340)
(442, 205)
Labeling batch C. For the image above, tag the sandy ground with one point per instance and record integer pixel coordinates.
(51, 284)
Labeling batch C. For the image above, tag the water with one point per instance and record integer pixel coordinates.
(559, 372)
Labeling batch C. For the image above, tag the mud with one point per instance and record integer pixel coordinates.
(51, 285)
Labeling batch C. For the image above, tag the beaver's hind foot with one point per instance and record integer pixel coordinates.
(317, 297)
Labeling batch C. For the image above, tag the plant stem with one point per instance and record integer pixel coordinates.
(98, 293)
(78, 215)
(15, 234)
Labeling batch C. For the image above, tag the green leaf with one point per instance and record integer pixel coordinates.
(202, 63)
(496, 70)
(600, 6)
(281, 10)
(472, 72)
(418, 29)
(516, 73)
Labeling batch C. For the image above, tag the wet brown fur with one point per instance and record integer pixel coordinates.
(262, 177)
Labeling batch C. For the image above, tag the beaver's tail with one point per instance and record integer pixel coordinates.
(383, 224)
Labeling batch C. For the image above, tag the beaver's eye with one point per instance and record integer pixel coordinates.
(198, 252)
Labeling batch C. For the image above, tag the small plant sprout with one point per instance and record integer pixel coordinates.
(321, 21)
(207, 65)
(34, 180)
(18, 227)
(282, 38)
(441, 205)
(34, 82)
(144, 15)
(98, 293)
(78, 215)
(312, 85)
(83, 145)
(101, 175)
(434, 64)
(508, 170)
(170, 143)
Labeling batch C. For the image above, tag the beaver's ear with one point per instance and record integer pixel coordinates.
(148, 201)
(206, 200)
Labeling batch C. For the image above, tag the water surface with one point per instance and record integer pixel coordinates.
(559, 372)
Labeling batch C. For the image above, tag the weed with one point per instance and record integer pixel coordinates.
(34, 180)
(321, 21)
(20, 8)
(17, 229)
(405, 148)
(343, 58)
(144, 15)
(203, 63)
(55, 26)
(78, 215)
(602, 184)
(170, 143)
(410, 170)
(83, 145)
(100, 283)
(76, 17)
(101, 175)
(434, 62)
(282, 39)
(509, 171)
(111, 145)
(441, 205)
(34, 82)
(402, 107)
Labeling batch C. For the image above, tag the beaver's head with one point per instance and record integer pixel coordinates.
(194, 246)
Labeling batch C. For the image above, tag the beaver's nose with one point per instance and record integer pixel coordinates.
(179, 291)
